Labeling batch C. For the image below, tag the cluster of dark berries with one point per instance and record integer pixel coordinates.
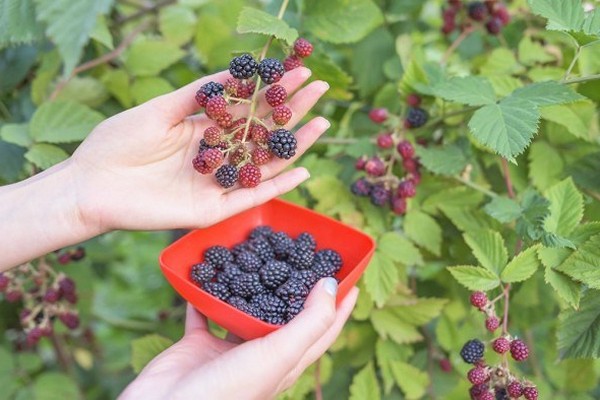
(495, 382)
(64, 257)
(45, 295)
(268, 276)
(234, 149)
(490, 13)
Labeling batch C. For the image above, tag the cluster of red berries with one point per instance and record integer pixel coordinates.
(247, 143)
(64, 257)
(45, 295)
(495, 382)
(385, 183)
(490, 13)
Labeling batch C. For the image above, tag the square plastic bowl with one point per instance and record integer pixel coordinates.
(355, 247)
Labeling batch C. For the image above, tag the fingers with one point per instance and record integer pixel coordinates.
(194, 320)
(242, 199)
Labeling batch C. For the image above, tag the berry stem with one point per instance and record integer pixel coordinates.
(572, 65)
(582, 79)
(507, 179)
(475, 186)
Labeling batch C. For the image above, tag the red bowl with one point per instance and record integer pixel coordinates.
(355, 247)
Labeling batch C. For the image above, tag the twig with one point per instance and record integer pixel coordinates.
(572, 65)
(144, 11)
(100, 60)
(430, 354)
(464, 34)
(61, 355)
(507, 179)
(582, 79)
(318, 385)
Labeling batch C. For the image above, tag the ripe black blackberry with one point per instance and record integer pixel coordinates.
(292, 291)
(227, 175)
(380, 195)
(274, 273)
(240, 248)
(202, 272)
(270, 70)
(472, 351)
(248, 261)
(306, 276)
(241, 304)
(243, 67)
(361, 187)
(212, 89)
(300, 257)
(416, 117)
(294, 309)
(246, 285)
(262, 249)
(323, 269)
(477, 10)
(228, 273)
(273, 309)
(330, 256)
(218, 290)
(217, 256)
(306, 240)
(283, 143)
(281, 244)
(261, 231)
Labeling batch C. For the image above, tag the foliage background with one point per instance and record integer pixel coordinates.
(411, 313)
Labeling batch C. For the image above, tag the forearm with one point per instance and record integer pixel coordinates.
(39, 215)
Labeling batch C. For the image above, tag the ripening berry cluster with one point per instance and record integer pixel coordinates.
(45, 296)
(234, 149)
(489, 13)
(268, 276)
(495, 382)
(64, 257)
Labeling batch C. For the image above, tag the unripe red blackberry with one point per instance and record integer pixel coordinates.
(405, 149)
(259, 133)
(64, 258)
(249, 176)
(399, 206)
(70, 320)
(375, 167)
(445, 365)
(225, 121)
(33, 336)
(501, 345)
(413, 100)
(406, 189)
(487, 396)
(448, 27)
(77, 254)
(478, 375)
(231, 86)
(213, 136)
(52, 295)
(478, 299)
(502, 14)
(514, 389)
(292, 62)
(410, 165)
(216, 107)
(360, 163)
(207, 160)
(303, 48)
(519, 350)
(12, 296)
(201, 98)
(455, 3)
(261, 156)
(239, 123)
(4, 281)
(70, 297)
(530, 393)
(494, 26)
(378, 115)
(492, 323)
(238, 155)
(477, 390)
(415, 177)
(276, 95)
(281, 115)
(385, 140)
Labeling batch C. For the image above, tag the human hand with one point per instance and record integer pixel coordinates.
(203, 366)
(134, 170)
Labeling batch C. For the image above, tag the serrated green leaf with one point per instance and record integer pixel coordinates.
(547, 93)
(562, 15)
(55, 386)
(545, 165)
(101, 33)
(531, 53)
(489, 249)
(85, 90)
(578, 330)
(550, 239)
(475, 278)
(446, 160)
(467, 220)
(471, 90)
(535, 209)
(591, 23)
(503, 209)
(424, 231)
(16, 134)
(117, 83)
(364, 385)
(252, 20)
(49, 68)
(399, 249)
(177, 24)
(501, 61)
(580, 119)
(18, 22)
(566, 208)
(341, 21)
(144, 349)
(585, 171)
(12, 161)
(63, 122)
(381, 278)
(459, 196)
(522, 266)
(564, 286)
(45, 155)
(417, 311)
(387, 351)
(584, 264)
(389, 324)
(412, 381)
(507, 127)
(69, 25)
(147, 88)
(324, 68)
(379, 44)
(148, 57)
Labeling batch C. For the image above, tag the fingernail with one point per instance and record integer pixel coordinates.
(331, 286)
(305, 173)
(327, 123)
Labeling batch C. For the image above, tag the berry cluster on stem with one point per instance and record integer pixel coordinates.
(491, 15)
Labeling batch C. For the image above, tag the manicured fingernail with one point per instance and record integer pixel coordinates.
(331, 286)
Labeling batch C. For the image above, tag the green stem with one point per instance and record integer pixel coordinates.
(475, 186)
(582, 79)
(572, 65)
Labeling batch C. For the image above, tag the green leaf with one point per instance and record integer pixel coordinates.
(144, 89)
(324, 68)
(381, 278)
(117, 83)
(377, 45)
(399, 249)
(562, 15)
(507, 127)
(564, 286)
(417, 311)
(364, 385)
(489, 249)
(148, 57)
(424, 231)
(535, 209)
(63, 122)
(389, 324)
(85, 90)
(584, 171)
(341, 21)
(503, 209)
(16, 134)
(252, 20)
(522, 266)
(545, 165)
(531, 53)
(177, 24)
(501, 62)
(55, 386)
(411, 380)
(547, 93)
(446, 160)
(584, 264)
(591, 24)
(475, 278)
(69, 25)
(45, 155)
(101, 33)
(580, 119)
(471, 90)
(12, 161)
(566, 208)
(144, 349)
(17, 22)
(45, 74)
(578, 330)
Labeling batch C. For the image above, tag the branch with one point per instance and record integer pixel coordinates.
(507, 179)
(464, 34)
(582, 79)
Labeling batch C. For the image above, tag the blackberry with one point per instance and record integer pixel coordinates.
(276, 95)
(281, 244)
(270, 70)
(478, 375)
(307, 241)
(260, 156)
(274, 273)
(248, 261)
(329, 256)
(241, 304)
(273, 310)
(217, 290)
(306, 276)
(361, 187)
(239, 249)
(323, 269)
(477, 10)
(292, 62)
(202, 272)
(249, 176)
(476, 391)
(501, 345)
(501, 393)
(515, 389)
(300, 257)
(380, 196)
(217, 256)
(416, 117)
(292, 291)
(281, 115)
(212, 89)
(294, 309)
(229, 272)
(530, 393)
(246, 285)
(282, 143)
(261, 248)
(492, 323)
(243, 67)
(472, 351)
(261, 231)
(478, 299)
(227, 175)
(406, 149)
(303, 48)
(406, 189)
(519, 350)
